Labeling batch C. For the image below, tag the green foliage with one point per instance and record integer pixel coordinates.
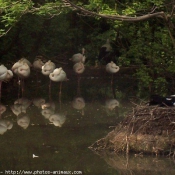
(51, 28)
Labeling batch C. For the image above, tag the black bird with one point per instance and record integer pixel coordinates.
(162, 101)
(105, 52)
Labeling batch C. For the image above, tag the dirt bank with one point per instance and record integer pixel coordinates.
(146, 129)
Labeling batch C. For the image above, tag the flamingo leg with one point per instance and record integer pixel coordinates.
(22, 83)
(78, 89)
(19, 86)
(37, 86)
(112, 79)
(50, 83)
(0, 89)
(60, 92)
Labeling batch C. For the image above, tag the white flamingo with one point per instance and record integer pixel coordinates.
(22, 70)
(58, 75)
(79, 57)
(38, 63)
(5, 75)
(37, 66)
(79, 67)
(48, 68)
(112, 68)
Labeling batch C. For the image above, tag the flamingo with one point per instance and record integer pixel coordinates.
(112, 68)
(22, 70)
(58, 75)
(79, 57)
(79, 67)
(48, 68)
(5, 75)
(37, 64)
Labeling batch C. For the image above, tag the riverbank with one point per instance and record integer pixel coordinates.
(146, 129)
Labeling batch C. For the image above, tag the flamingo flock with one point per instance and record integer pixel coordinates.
(22, 69)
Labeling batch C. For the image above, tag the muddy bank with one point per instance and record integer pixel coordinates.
(146, 129)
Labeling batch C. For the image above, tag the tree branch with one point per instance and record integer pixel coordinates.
(117, 17)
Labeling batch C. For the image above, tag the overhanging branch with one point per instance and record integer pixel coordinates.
(118, 17)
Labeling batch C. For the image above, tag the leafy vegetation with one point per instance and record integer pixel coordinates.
(141, 32)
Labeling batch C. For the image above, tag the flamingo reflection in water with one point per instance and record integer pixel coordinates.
(5, 124)
(79, 104)
(111, 104)
(48, 109)
(20, 106)
(22, 70)
(5, 75)
(23, 121)
(19, 109)
(57, 119)
(58, 75)
(38, 102)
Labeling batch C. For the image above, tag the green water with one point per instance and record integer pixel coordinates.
(59, 145)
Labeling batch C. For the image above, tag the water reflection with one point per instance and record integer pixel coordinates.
(57, 119)
(38, 102)
(58, 131)
(20, 106)
(79, 104)
(5, 125)
(138, 164)
(48, 109)
(23, 120)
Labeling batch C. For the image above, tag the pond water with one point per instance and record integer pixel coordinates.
(44, 132)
